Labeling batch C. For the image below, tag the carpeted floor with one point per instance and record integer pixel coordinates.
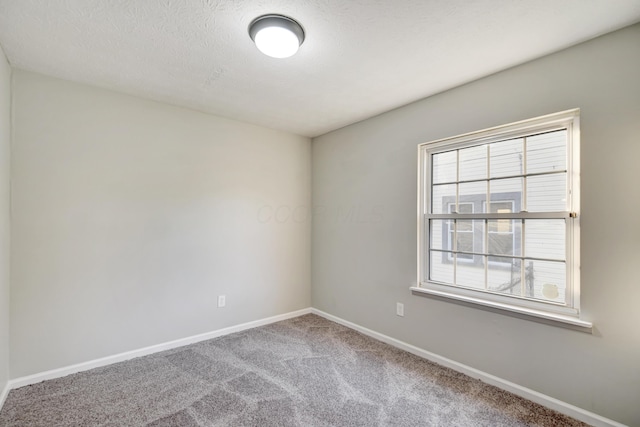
(306, 371)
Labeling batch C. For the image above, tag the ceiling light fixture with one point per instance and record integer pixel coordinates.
(277, 36)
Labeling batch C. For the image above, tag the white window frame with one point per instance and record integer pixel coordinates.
(569, 312)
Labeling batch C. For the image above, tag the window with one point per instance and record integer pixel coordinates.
(498, 217)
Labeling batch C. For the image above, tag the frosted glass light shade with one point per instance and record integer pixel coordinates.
(276, 35)
(277, 42)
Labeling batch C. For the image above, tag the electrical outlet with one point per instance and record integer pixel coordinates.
(400, 309)
(222, 301)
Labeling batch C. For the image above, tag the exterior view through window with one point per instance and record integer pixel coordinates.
(498, 216)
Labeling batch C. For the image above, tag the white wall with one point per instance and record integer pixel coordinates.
(5, 214)
(130, 217)
(365, 261)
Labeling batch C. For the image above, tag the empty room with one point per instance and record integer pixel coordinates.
(319, 213)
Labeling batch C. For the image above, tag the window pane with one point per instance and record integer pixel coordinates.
(504, 237)
(439, 228)
(469, 237)
(547, 152)
(469, 273)
(545, 238)
(545, 280)
(442, 197)
(547, 193)
(474, 193)
(465, 243)
(473, 163)
(463, 208)
(506, 190)
(503, 275)
(444, 167)
(465, 225)
(440, 268)
(503, 206)
(506, 158)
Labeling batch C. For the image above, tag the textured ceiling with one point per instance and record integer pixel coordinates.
(360, 57)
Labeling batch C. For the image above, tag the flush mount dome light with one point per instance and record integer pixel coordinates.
(277, 36)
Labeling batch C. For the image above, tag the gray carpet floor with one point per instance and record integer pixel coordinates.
(305, 371)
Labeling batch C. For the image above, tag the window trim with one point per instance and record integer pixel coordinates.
(568, 312)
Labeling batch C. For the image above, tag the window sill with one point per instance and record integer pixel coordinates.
(556, 319)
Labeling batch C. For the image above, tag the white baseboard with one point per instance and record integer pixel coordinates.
(542, 399)
(4, 394)
(104, 361)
